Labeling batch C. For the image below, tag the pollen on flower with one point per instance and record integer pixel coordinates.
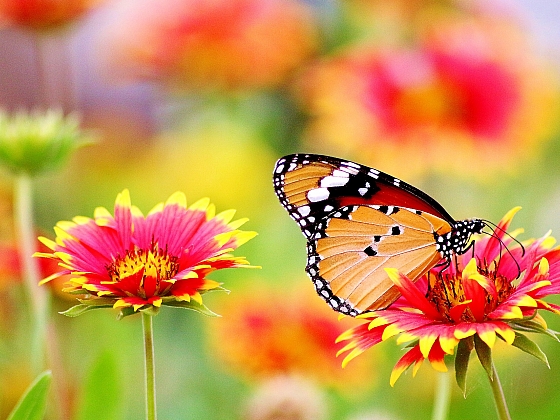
(447, 293)
(154, 263)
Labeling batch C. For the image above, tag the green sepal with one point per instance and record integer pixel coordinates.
(77, 292)
(82, 308)
(192, 305)
(98, 301)
(532, 326)
(150, 310)
(216, 289)
(33, 403)
(484, 353)
(411, 344)
(529, 346)
(464, 349)
(127, 311)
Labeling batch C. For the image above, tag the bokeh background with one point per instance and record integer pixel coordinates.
(457, 97)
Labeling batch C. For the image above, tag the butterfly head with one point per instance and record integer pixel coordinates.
(457, 240)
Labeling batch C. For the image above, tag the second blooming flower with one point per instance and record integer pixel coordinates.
(136, 262)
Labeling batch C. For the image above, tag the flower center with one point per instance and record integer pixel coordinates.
(153, 263)
(457, 304)
(504, 288)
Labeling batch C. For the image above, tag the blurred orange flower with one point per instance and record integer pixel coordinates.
(463, 91)
(43, 14)
(209, 43)
(270, 332)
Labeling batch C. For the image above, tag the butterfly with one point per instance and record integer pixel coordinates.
(357, 221)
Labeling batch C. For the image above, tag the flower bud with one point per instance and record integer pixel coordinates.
(36, 142)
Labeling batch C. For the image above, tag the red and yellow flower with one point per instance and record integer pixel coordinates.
(43, 14)
(295, 338)
(495, 294)
(136, 262)
(211, 44)
(458, 90)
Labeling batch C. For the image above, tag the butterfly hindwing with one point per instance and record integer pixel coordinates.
(352, 246)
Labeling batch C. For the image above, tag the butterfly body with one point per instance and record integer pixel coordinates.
(357, 221)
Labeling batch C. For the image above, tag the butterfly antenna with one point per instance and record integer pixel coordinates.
(503, 245)
(505, 232)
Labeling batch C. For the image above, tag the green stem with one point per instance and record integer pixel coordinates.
(499, 398)
(150, 367)
(442, 397)
(27, 243)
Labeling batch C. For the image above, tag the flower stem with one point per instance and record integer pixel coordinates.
(150, 367)
(443, 394)
(26, 241)
(499, 398)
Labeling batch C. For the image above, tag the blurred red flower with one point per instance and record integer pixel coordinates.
(461, 91)
(9, 264)
(269, 332)
(43, 14)
(210, 43)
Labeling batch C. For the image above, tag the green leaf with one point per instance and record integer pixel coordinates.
(192, 305)
(102, 392)
(484, 354)
(82, 308)
(32, 404)
(464, 349)
(529, 346)
(532, 326)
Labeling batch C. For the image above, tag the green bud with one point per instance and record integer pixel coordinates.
(37, 142)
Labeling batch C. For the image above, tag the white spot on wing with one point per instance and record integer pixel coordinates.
(333, 181)
(352, 164)
(317, 194)
(339, 173)
(374, 173)
(304, 210)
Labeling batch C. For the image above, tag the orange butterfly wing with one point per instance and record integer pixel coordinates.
(358, 221)
(352, 247)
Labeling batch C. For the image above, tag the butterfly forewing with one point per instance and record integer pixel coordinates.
(312, 186)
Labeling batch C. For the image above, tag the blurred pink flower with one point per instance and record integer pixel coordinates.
(43, 14)
(210, 43)
(461, 92)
